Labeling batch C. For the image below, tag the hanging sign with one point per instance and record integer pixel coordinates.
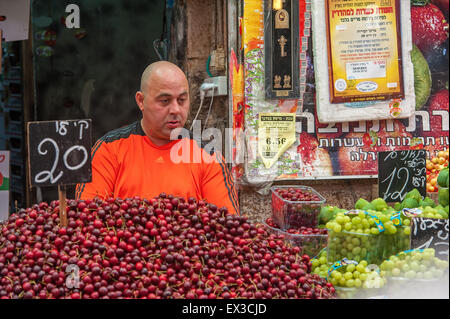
(282, 50)
(276, 133)
(364, 50)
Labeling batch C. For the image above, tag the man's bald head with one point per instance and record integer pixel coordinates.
(160, 69)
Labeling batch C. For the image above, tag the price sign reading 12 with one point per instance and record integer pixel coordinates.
(400, 172)
(59, 152)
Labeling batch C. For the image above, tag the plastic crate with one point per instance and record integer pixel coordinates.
(309, 244)
(295, 214)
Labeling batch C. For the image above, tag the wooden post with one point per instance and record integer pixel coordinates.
(62, 206)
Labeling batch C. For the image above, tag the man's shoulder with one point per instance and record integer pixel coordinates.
(122, 133)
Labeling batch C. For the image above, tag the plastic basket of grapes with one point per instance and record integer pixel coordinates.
(392, 244)
(296, 206)
(354, 246)
(310, 245)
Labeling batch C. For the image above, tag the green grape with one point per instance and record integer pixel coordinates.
(414, 265)
(350, 283)
(322, 260)
(340, 219)
(348, 275)
(348, 226)
(356, 241)
(357, 283)
(374, 231)
(363, 277)
(360, 231)
(334, 281)
(315, 263)
(357, 258)
(407, 230)
(365, 224)
(342, 281)
(396, 272)
(349, 247)
(350, 268)
(356, 250)
(356, 220)
(347, 219)
(356, 274)
(410, 274)
(360, 268)
(337, 228)
(336, 274)
(406, 222)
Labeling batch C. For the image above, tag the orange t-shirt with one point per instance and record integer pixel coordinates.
(125, 163)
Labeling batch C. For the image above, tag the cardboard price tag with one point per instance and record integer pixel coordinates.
(276, 133)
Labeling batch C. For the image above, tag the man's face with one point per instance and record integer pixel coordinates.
(164, 103)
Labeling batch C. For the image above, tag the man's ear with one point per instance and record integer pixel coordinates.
(139, 97)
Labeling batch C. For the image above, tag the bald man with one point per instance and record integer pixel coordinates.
(136, 160)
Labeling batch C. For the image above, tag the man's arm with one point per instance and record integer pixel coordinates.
(218, 186)
(104, 167)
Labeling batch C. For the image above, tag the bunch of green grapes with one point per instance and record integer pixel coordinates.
(360, 223)
(353, 236)
(415, 264)
(358, 276)
(320, 265)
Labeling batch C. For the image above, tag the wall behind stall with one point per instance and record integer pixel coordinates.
(94, 71)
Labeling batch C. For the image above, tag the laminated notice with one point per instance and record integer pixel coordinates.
(364, 50)
(276, 133)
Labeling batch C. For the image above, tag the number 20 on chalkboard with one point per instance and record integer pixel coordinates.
(59, 152)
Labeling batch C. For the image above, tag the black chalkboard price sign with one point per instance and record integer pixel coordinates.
(400, 172)
(430, 233)
(60, 152)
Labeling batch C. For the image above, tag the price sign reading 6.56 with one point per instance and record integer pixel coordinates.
(59, 152)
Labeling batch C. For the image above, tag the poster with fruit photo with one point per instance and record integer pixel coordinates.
(4, 185)
(347, 149)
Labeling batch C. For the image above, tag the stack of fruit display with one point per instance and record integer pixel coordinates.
(374, 231)
(309, 240)
(296, 206)
(416, 274)
(295, 217)
(434, 166)
(350, 278)
(165, 247)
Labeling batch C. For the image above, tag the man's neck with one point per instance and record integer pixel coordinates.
(156, 141)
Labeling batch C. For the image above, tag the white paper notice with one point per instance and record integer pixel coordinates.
(17, 17)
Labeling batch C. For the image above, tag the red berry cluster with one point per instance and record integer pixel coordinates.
(297, 195)
(166, 247)
(303, 230)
